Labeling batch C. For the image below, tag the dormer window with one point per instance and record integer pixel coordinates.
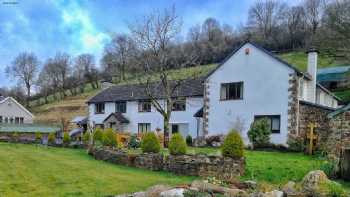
(99, 108)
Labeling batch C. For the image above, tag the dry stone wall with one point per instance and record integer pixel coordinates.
(193, 165)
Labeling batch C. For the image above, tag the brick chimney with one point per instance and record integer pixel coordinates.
(312, 54)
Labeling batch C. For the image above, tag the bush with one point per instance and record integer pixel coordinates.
(51, 139)
(259, 133)
(97, 135)
(329, 167)
(15, 136)
(66, 138)
(38, 137)
(296, 143)
(233, 145)
(133, 142)
(150, 143)
(177, 145)
(189, 140)
(109, 138)
(333, 189)
(86, 137)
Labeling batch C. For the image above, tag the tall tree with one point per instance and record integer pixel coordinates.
(85, 70)
(155, 36)
(62, 63)
(24, 68)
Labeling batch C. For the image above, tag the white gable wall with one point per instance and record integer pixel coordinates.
(193, 104)
(265, 92)
(11, 108)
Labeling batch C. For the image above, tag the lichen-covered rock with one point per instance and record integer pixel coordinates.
(177, 192)
(236, 193)
(289, 188)
(250, 184)
(156, 190)
(208, 187)
(274, 193)
(312, 182)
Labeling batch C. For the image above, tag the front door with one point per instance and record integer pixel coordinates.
(174, 128)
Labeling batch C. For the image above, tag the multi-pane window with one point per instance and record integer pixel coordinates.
(99, 108)
(21, 120)
(120, 106)
(1, 119)
(179, 105)
(231, 91)
(6, 120)
(144, 127)
(145, 106)
(274, 122)
(16, 120)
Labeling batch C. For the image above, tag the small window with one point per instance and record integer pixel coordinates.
(179, 105)
(99, 108)
(1, 119)
(16, 120)
(144, 127)
(11, 120)
(21, 120)
(174, 128)
(274, 122)
(145, 106)
(6, 120)
(231, 91)
(120, 106)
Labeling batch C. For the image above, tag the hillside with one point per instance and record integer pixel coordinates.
(73, 106)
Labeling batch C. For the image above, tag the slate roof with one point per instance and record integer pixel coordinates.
(28, 128)
(118, 116)
(339, 111)
(130, 92)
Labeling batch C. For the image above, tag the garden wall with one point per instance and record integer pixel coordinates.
(193, 165)
(24, 138)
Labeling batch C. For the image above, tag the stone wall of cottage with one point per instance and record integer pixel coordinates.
(310, 113)
(24, 138)
(293, 103)
(193, 165)
(339, 135)
(206, 108)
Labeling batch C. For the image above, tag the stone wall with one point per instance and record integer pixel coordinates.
(192, 165)
(293, 103)
(21, 137)
(313, 113)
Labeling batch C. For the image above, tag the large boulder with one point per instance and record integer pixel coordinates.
(177, 192)
(312, 181)
(290, 189)
(208, 187)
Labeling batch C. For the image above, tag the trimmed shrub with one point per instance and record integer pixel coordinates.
(177, 145)
(150, 143)
(66, 139)
(86, 137)
(259, 133)
(38, 137)
(295, 143)
(51, 139)
(233, 145)
(331, 188)
(133, 142)
(97, 135)
(189, 140)
(15, 136)
(109, 138)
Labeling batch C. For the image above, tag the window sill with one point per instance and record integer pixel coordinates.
(100, 113)
(231, 99)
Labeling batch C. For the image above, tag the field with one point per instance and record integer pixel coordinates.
(29, 170)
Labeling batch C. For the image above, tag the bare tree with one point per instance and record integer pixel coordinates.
(296, 23)
(155, 36)
(24, 68)
(63, 68)
(85, 70)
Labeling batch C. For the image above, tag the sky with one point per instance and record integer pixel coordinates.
(45, 27)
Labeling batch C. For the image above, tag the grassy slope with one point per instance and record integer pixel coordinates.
(72, 106)
(27, 170)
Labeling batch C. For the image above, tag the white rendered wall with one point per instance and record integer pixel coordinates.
(193, 104)
(11, 109)
(266, 83)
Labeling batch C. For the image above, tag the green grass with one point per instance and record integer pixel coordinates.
(299, 60)
(28, 170)
(343, 95)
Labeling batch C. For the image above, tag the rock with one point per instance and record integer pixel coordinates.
(250, 184)
(289, 188)
(216, 144)
(155, 191)
(177, 192)
(274, 193)
(140, 194)
(208, 187)
(236, 193)
(312, 181)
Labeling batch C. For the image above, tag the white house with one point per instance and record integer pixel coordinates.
(128, 108)
(12, 112)
(250, 84)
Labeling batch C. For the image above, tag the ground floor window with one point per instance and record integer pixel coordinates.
(174, 128)
(144, 127)
(274, 122)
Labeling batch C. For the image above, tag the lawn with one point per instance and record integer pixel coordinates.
(29, 170)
